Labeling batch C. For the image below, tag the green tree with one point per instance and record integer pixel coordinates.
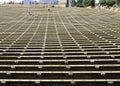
(102, 2)
(79, 3)
(87, 3)
(110, 3)
(118, 3)
(93, 3)
(73, 3)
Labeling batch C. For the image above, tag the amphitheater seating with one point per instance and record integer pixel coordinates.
(60, 51)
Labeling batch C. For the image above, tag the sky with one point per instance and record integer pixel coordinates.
(1, 1)
(10, 0)
(97, 1)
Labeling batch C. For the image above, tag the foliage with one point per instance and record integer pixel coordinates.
(79, 3)
(110, 2)
(87, 3)
(102, 2)
(118, 3)
(73, 3)
(93, 3)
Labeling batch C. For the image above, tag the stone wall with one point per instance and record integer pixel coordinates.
(62, 3)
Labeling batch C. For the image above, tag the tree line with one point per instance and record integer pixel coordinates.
(86, 3)
(83, 3)
(110, 3)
